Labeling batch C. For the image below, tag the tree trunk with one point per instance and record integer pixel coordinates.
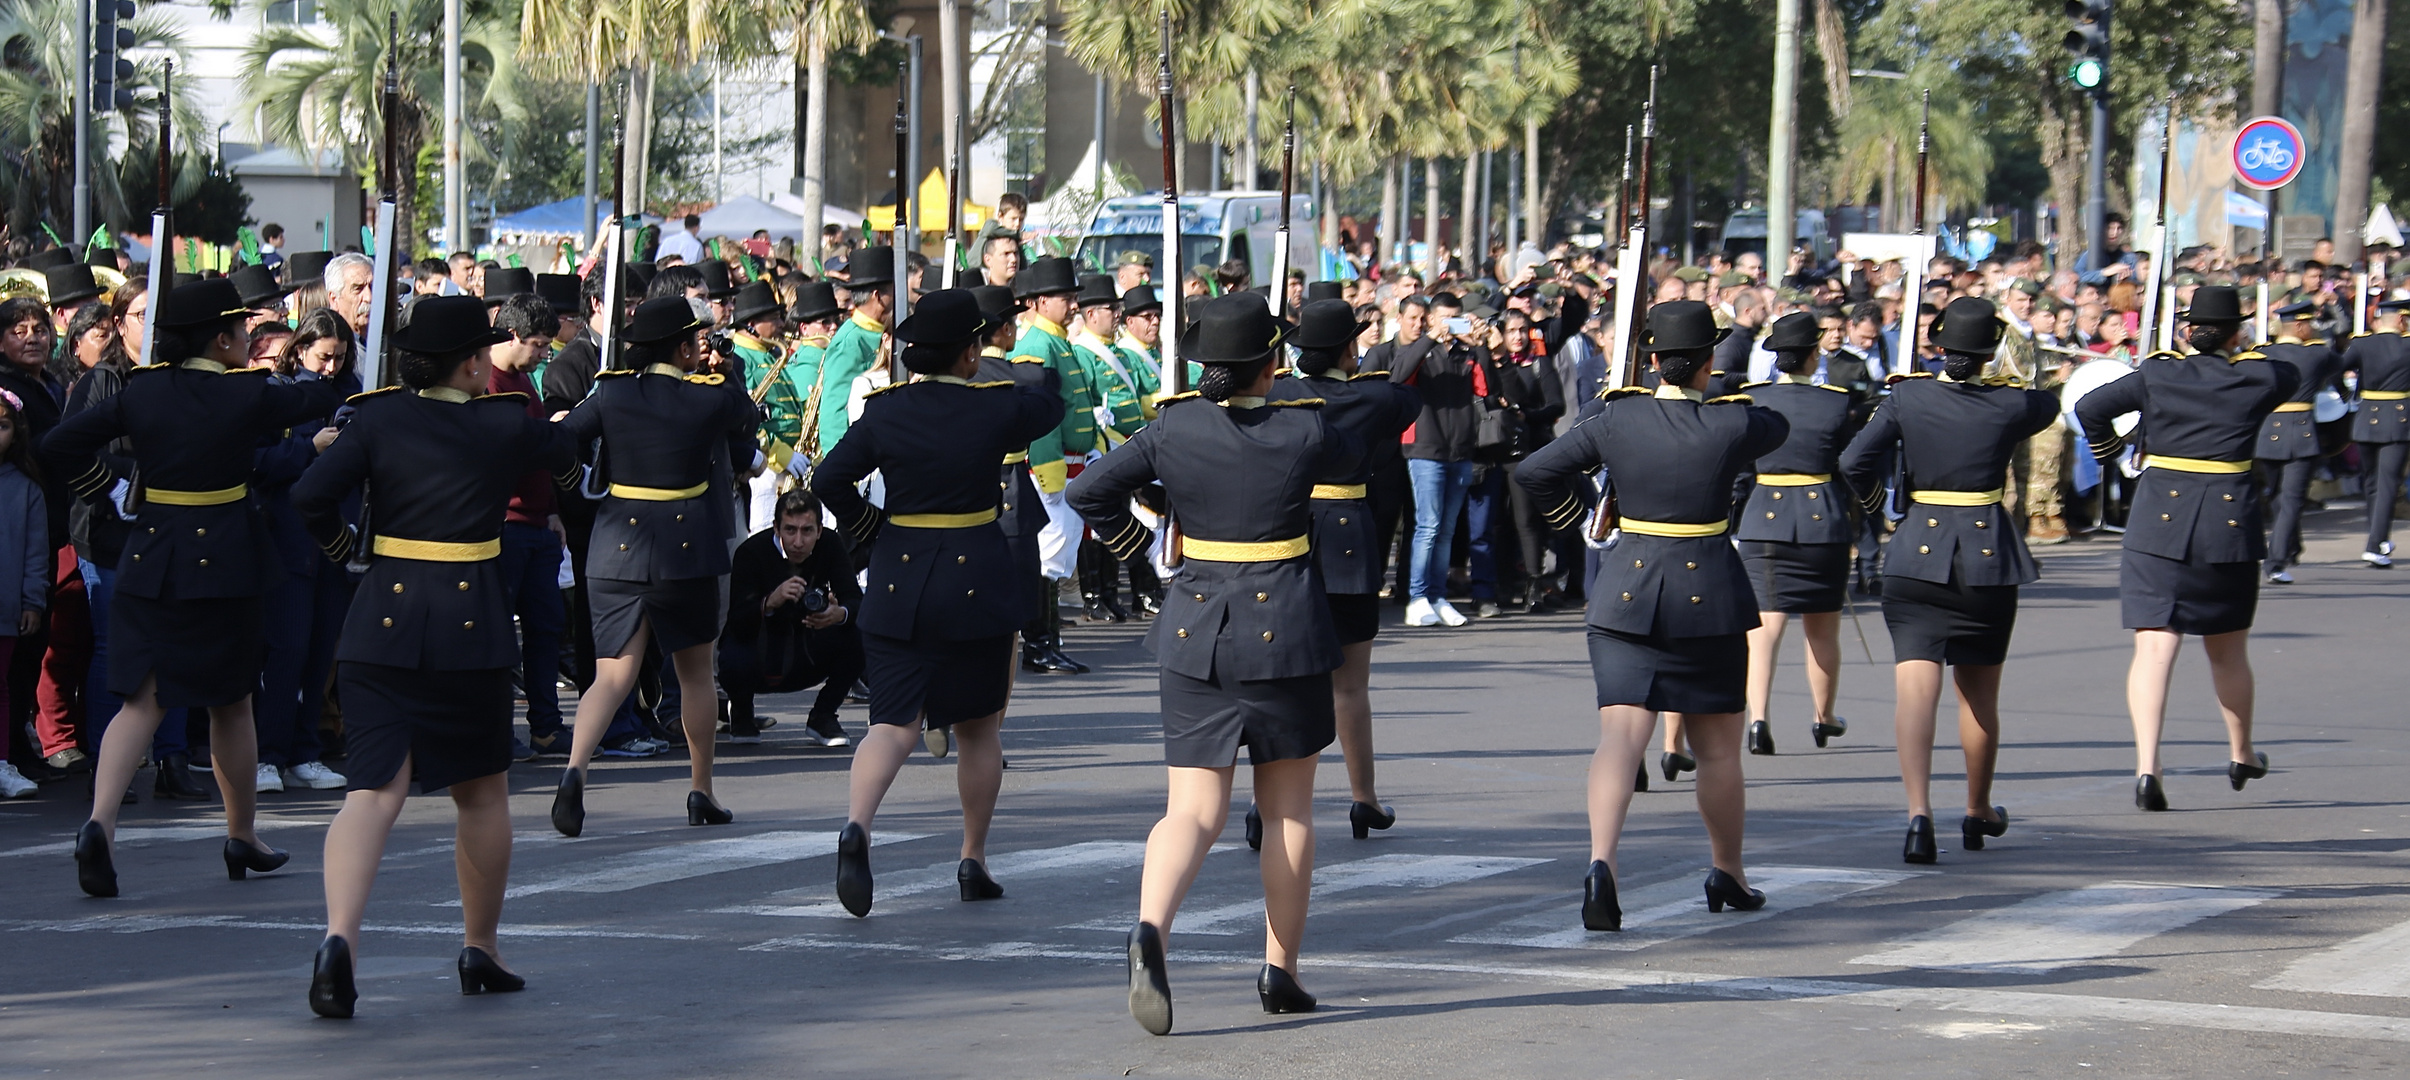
(1388, 233)
(1891, 202)
(2063, 159)
(1432, 263)
(815, 152)
(2267, 57)
(1535, 200)
(2363, 69)
(1467, 208)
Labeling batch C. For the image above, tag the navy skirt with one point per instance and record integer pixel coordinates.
(1671, 674)
(1950, 623)
(1205, 721)
(682, 613)
(2188, 597)
(940, 683)
(1357, 616)
(449, 726)
(204, 653)
(1797, 579)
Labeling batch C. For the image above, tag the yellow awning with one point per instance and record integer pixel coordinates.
(931, 201)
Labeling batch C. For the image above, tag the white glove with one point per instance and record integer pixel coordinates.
(118, 496)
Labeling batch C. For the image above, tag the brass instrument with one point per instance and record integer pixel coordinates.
(23, 282)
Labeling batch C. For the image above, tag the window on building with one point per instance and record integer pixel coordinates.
(292, 12)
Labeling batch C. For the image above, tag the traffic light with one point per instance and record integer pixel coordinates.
(110, 39)
(2089, 41)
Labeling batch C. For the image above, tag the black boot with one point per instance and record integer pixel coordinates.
(1092, 585)
(1146, 587)
(743, 729)
(176, 781)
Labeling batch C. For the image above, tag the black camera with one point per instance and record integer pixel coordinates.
(721, 343)
(814, 601)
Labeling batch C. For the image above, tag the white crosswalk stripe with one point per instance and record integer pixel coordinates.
(2062, 929)
(2372, 965)
(1668, 910)
(677, 862)
(1330, 882)
(136, 835)
(1008, 868)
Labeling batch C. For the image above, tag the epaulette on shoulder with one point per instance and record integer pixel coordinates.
(2247, 354)
(885, 389)
(1028, 359)
(1732, 399)
(1755, 385)
(1300, 403)
(1905, 376)
(1831, 387)
(997, 384)
(614, 374)
(150, 368)
(1362, 375)
(378, 392)
(1623, 392)
(519, 396)
(707, 380)
(1176, 398)
(247, 371)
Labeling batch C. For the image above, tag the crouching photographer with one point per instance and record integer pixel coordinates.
(791, 603)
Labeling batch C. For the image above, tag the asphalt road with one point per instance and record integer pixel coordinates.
(2261, 933)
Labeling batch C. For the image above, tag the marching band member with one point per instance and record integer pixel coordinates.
(2288, 446)
(2382, 359)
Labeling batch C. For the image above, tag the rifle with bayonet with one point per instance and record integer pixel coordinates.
(2154, 309)
(1175, 370)
(1288, 184)
(1631, 288)
(163, 233)
(903, 227)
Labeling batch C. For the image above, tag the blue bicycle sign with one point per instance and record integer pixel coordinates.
(2268, 153)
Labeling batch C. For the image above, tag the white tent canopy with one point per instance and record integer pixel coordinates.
(829, 214)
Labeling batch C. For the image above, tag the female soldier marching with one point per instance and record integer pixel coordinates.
(1670, 607)
(1796, 531)
(184, 624)
(2193, 540)
(941, 607)
(427, 649)
(1950, 579)
(1245, 638)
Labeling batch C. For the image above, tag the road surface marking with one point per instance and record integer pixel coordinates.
(143, 924)
(1669, 910)
(2374, 965)
(677, 862)
(2062, 929)
(138, 835)
(1007, 867)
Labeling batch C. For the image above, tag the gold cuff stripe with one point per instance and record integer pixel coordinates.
(436, 550)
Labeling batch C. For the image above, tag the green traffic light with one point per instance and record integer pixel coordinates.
(2086, 73)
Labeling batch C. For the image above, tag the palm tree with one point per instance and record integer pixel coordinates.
(321, 87)
(37, 122)
(822, 25)
(1877, 144)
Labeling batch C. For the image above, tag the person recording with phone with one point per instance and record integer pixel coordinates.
(791, 602)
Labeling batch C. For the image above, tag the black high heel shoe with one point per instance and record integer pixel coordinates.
(480, 973)
(1255, 829)
(1724, 891)
(976, 885)
(1761, 738)
(702, 809)
(1150, 986)
(1675, 764)
(95, 872)
(1834, 730)
(2148, 794)
(1641, 781)
(242, 858)
(1280, 993)
(569, 804)
(1364, 817)
(2239, 774)
(1972, 830)
(1920, 848)
(331, 993)
(1601, 911)
(853, 869)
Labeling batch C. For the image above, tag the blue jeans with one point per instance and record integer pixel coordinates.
(531, 570)
(1486, 504)
(100, 706)
(1439, 492)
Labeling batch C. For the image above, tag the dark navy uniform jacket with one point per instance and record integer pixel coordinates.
(936, 441)
(194, 427)
(440, 467)
(1021, 514)
(1347, 545)
(1240, 472)
(1956, 437)
(1671, 459)
(2383, 361)
(663, 431)
(2205, 408)
(2293, 435)
(1822, 420)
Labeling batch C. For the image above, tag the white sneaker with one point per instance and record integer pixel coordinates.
(1447, 613)
(1419, 613)
(267, 779)
(13, 784)
(314, 776)
(2377, 559)
(2281, 577)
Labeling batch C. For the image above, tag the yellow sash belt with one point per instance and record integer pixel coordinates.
(1244, 551)
(648, 494)
(943, 521)
(2294, 406)
(1958, 498)
(1338, 491)
(436, 550)
(2196, 465)
(219, 497)
(1778, 479)
(1672, 528)
(2384, 395)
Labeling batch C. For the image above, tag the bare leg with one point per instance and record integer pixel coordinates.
(1351, 699)
(481, 857)
(1917, 685)
(1284, 793)
(1723, 799)
(234, 757)
(613, 677)
(1674, 743)
(355, 844)
(2230, 671)
(1979, 733)
(2146, 693)
(698, 711)
(1623, 736)
(121, 749)
(978, 776)
(1823, 633)
(1196, 807)
(1765, 650)
(877, 758)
